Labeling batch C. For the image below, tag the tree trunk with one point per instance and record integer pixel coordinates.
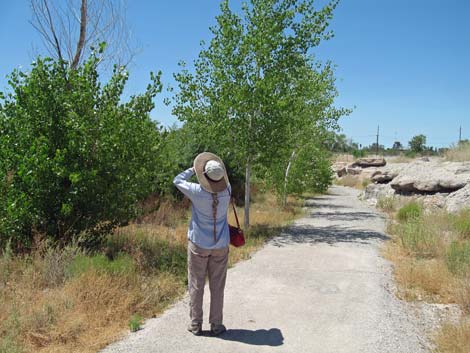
(246, 222)
(284, 197)
(81, 39)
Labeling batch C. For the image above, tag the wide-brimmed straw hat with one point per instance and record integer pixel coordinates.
(206, 165)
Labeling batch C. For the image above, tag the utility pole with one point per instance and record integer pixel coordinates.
(460, 135)
(377, 143)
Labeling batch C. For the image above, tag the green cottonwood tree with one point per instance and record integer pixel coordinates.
(236, 99)
(74, 159)
(417, 143)
(311, 117)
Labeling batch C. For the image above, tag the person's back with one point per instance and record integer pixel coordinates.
(201, 226)
(208, 237)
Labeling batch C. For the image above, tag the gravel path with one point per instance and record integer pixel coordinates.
(320, 287)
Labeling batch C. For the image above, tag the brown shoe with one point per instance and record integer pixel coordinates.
(218, 329)
(195, 329)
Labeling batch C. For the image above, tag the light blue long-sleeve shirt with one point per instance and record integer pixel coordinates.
(201, 226)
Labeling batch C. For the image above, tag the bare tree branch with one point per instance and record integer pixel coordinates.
(52, 29)
(72, 29)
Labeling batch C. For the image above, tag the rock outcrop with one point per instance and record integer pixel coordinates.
(374, 192)
(458, 200)
(421, 177)
(383, 177)
(370, 162)
(435, 183)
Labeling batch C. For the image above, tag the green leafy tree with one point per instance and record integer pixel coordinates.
(311, 119)
(74, 159)
(397, 145)
(237, 99)
(418, 143)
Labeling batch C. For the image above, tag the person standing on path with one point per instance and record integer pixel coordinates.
(208, 237)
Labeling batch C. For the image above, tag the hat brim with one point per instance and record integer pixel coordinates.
(206, 183)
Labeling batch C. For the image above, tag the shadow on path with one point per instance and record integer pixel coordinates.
(344, 216)
(272, 337)
(304, 234)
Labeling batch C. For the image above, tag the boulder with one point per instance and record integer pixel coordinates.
(374, 192)
(369, 173)
(353, 170)
(339, 168)
(370, 162)
(384, 177)
(458, 200)
(429, 178)
(342, 172)
(435, 201)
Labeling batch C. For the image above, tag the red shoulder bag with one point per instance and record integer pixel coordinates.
(237, 237)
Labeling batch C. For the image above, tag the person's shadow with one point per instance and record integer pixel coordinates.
(271, 337)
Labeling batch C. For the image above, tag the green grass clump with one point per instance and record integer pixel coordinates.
(150, 253)
(462, 224)
(10, 329)
(9, 345)
(419, 238)
(122, 265)
(135, 322)
(458, 258)
(387, 203)
(412, 210)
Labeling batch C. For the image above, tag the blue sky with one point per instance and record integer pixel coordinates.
(403, 64)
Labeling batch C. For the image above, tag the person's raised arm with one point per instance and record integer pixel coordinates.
(183, 185)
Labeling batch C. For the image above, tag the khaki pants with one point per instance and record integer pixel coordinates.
(214, 264)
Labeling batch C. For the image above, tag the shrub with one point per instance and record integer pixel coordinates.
(458, 257)
(359, 153)
(411, 210)
(74, 159)
(135, 322)
(54, 263)
(410, 154)
(310, 172)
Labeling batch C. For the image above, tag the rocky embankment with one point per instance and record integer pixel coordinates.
(433, 181)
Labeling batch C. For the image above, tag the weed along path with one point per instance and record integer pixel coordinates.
(320, 287)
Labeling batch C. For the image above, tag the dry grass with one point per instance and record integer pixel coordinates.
(59, 301)
(343, 157)
(454, 338)
(459, 153)
(352, 181)
(83, 315)
(431, 253)
(400, 159)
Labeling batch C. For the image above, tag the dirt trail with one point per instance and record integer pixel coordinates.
(320, 287)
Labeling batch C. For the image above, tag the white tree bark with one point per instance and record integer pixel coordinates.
(286, 177)
(246, 221)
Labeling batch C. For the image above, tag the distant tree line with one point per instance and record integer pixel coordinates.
(340, 143)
